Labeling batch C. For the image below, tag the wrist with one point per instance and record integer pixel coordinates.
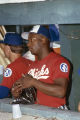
(35, 82)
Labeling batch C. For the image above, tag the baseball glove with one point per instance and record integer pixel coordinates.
(28, 96)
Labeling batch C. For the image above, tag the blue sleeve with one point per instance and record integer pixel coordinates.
(4, 92)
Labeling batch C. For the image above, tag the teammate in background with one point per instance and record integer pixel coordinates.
(13, 49)
(49, 74)
(79, 107)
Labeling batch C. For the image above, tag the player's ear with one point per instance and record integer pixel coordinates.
(8, 47)
(43, 40)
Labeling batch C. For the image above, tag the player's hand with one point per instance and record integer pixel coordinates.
(16, 90)
(25, 82)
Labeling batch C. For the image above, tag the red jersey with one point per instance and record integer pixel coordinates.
(47, 70)
(14, 71)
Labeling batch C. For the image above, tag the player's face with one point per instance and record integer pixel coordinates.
(34, 43)
(6, 51)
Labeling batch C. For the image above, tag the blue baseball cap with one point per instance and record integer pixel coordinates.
(12, 39)
(39, 29)
(54, 33)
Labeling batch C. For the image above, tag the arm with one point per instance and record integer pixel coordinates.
(7, 82)
(58, 89)
(4, 92)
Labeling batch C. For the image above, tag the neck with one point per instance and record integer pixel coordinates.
(14, 56)
(43, 54)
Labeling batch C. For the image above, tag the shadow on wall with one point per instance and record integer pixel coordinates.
(70, 83)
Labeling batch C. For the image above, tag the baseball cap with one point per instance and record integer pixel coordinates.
(24, 35)
(12, 39)
(54, 32)
(39, 29)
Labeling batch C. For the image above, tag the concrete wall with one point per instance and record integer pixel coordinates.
(40, 111)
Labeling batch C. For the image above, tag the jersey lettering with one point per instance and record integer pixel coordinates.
(40, 74)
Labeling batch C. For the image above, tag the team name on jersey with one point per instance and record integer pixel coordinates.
(39, 74)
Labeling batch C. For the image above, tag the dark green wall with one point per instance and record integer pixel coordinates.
(48, 12)
(71, 49)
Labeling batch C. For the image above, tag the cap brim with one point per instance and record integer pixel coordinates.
(1, 41)
(24, 35)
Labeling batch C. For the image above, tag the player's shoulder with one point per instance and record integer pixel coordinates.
(8, 71)
(22, 59)
(60, 59)
(13, 64)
